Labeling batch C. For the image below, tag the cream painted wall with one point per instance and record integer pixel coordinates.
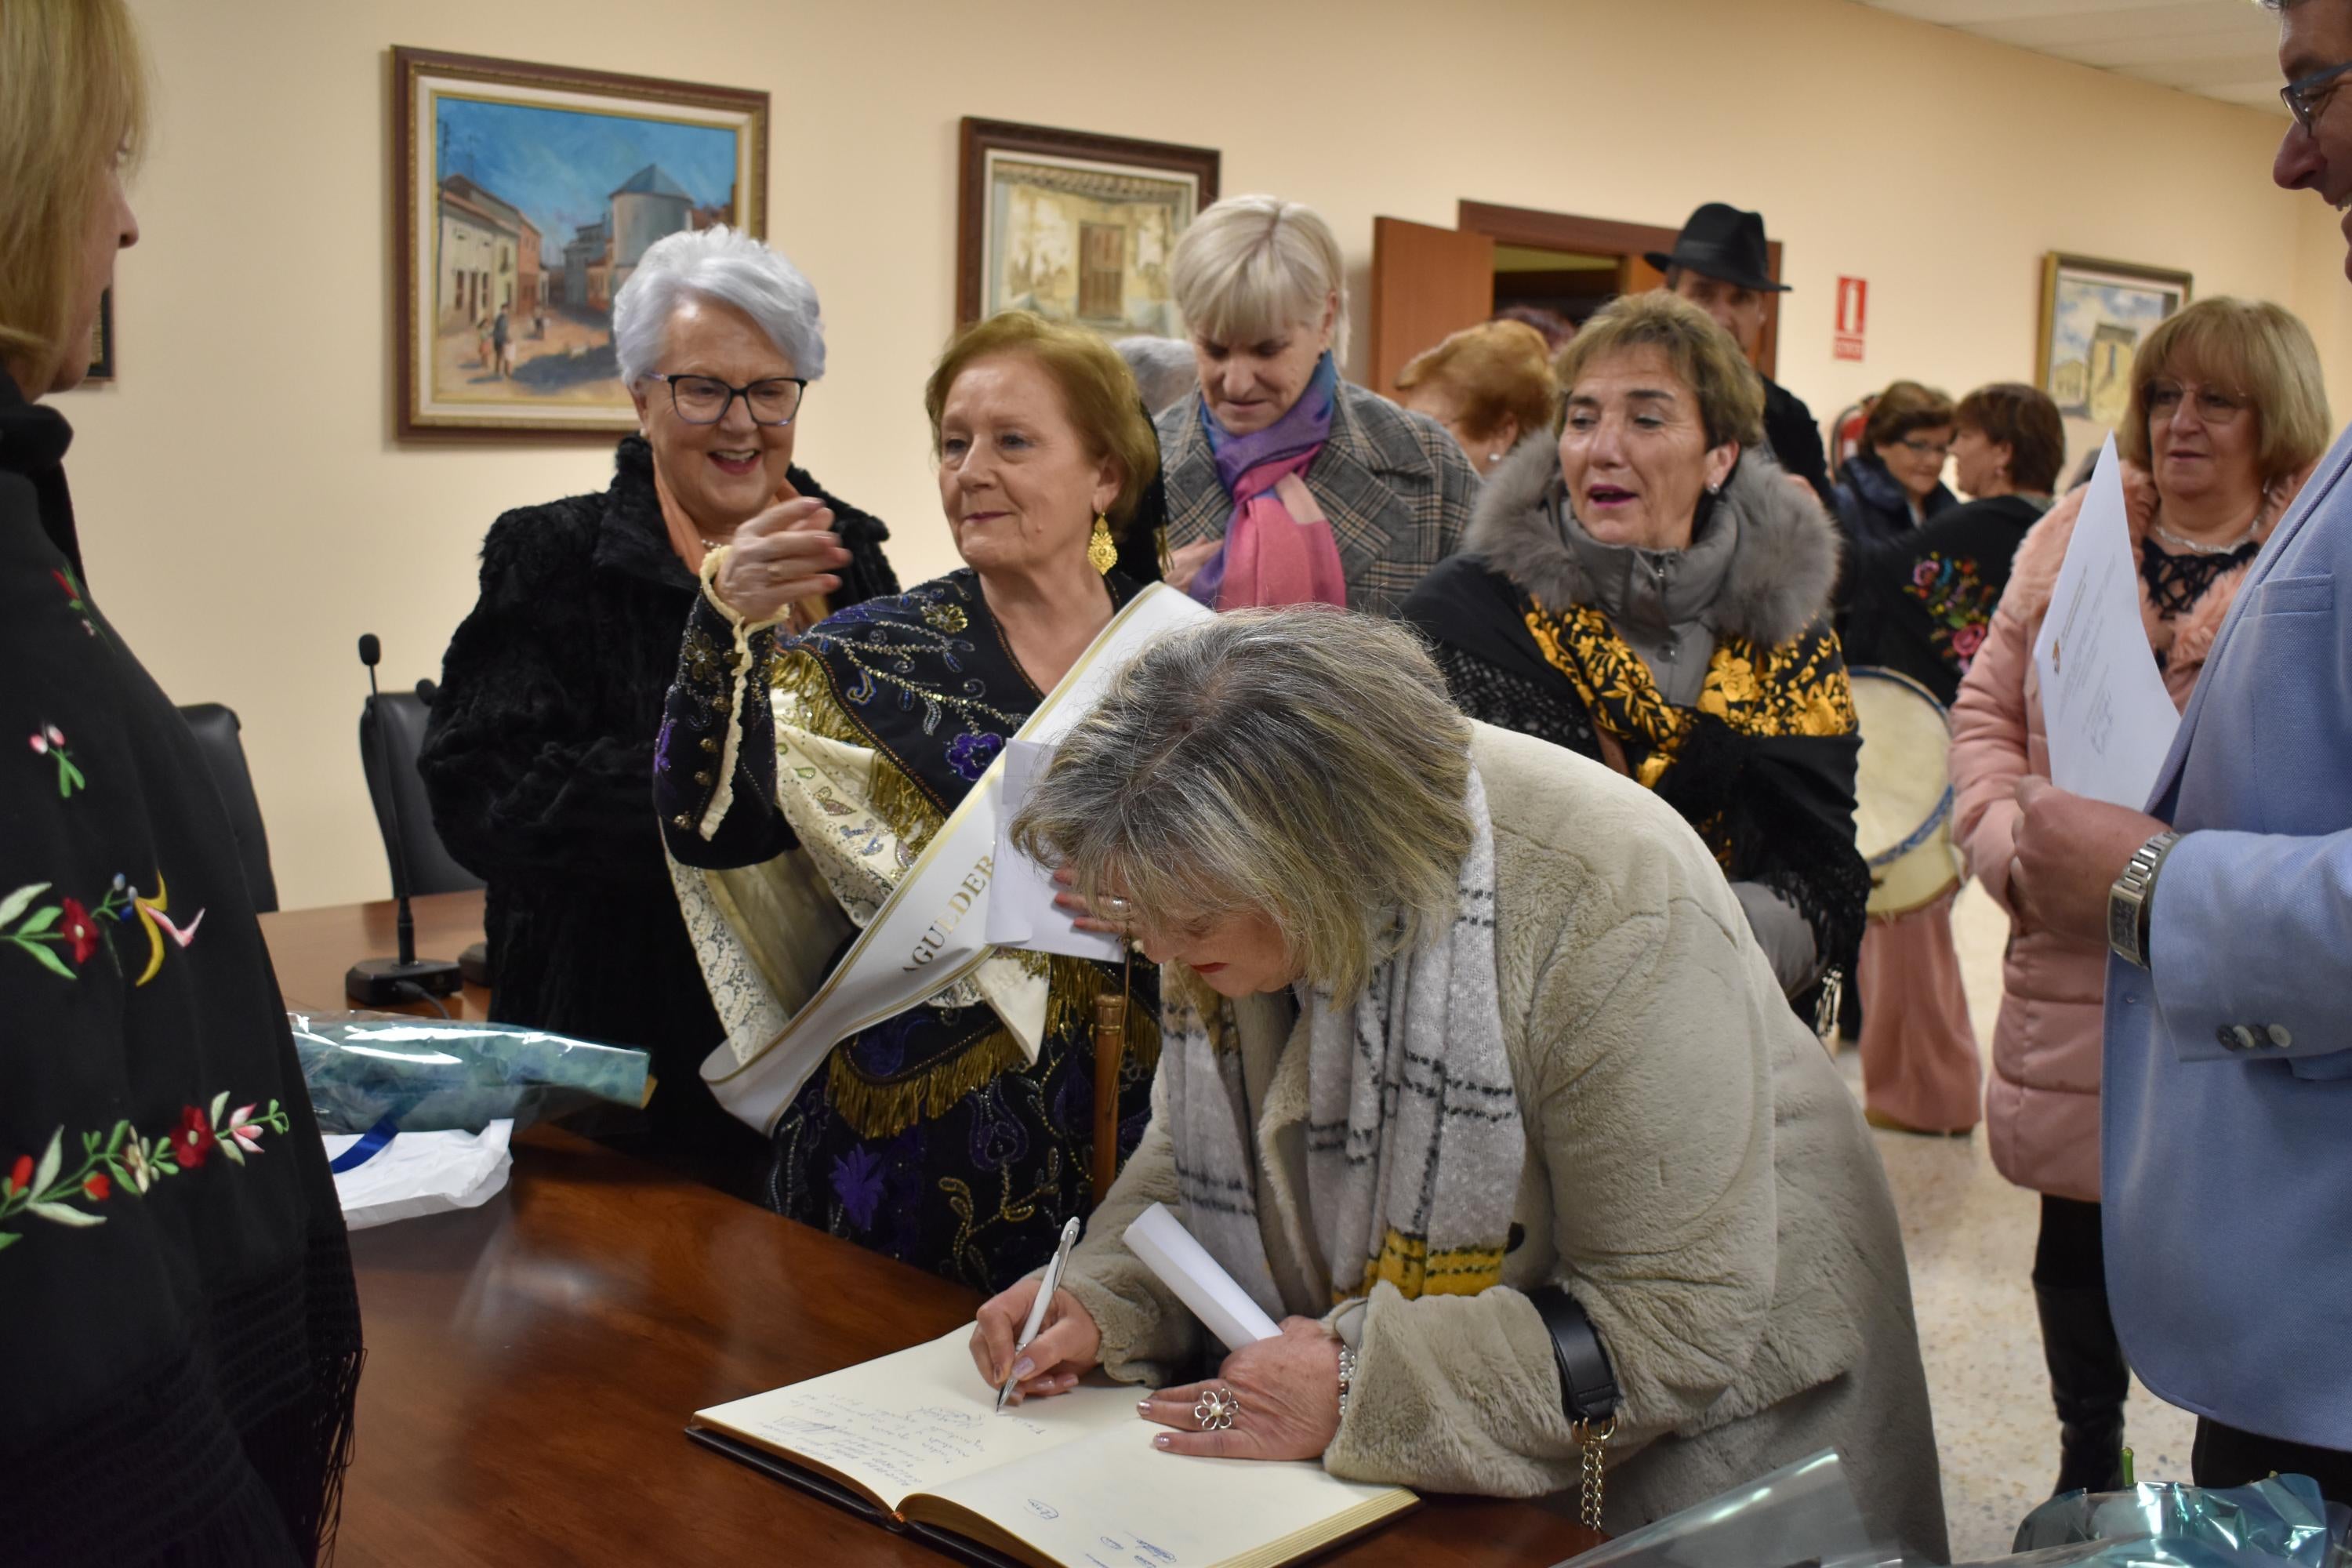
(246, 513)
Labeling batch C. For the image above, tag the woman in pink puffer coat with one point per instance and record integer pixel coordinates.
(2227, 416)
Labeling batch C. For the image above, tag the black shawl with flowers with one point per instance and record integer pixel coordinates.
(179, 1334)
(927, 1136)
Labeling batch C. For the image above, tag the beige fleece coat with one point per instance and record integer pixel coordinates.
(1697, 1176)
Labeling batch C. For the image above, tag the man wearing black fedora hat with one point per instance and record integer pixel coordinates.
(1719, 264)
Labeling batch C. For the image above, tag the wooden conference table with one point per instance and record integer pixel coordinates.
(531, 1363)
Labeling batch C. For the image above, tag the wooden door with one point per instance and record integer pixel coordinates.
(1629, 242)
(1426, 282)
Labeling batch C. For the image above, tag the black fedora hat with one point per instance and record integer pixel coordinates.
(1723, 242)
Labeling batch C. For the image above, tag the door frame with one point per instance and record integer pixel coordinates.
(1542, 230)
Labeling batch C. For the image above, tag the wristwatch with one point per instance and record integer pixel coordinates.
(2133, 896)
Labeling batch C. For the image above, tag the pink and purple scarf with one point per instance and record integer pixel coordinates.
(1278, 548)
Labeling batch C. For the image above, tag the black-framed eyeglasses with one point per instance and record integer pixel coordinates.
(2304, 96)
(1938, 450)
(705, 399)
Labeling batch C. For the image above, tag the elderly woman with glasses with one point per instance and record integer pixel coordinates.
(1469, 1064)
(541, 737)
(1896, 481)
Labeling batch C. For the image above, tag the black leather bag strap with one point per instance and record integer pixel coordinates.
(1587, 1388)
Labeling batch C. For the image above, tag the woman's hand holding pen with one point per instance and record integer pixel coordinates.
(1066, 1349)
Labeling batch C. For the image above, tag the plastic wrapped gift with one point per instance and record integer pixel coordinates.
(430, 1075)
(2282, 1522)
(1803, 1513)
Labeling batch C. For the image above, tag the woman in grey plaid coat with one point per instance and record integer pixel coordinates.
(1286, 485)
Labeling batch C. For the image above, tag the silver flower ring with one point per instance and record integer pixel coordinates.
(1216, 1408)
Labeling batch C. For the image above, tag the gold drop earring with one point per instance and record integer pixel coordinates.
(1102, 553)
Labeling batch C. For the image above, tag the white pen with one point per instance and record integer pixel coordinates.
(1046, 1289)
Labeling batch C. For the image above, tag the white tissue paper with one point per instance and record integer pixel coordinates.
(421, 1173)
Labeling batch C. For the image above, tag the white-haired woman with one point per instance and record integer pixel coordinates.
(542, 736)
(1285, 484)
(1468, 1036)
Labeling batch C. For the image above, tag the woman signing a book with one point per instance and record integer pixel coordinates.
(1472, 1074)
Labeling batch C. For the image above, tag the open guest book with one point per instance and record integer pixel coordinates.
(912, 1441)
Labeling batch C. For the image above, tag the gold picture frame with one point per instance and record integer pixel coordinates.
(522, 197)
(2094, 315)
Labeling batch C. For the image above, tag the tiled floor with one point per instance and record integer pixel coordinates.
(1970, 1235)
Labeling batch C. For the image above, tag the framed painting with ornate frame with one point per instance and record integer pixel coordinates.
(522, 197)
(2094, 315)
(1075, 226)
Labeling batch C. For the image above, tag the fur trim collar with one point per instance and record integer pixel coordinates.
(2186, 640)
(1780, 575)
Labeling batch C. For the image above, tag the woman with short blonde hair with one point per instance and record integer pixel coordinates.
(1285, 484)
(1487, 384)
(1643, 586)
(183, 1348)
(1466, 1053)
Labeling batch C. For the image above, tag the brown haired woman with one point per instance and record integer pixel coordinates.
(1643, 587)
(832, 804)
(1921, 603)
(1487, 384)
(1895, 482)
(182, 1347)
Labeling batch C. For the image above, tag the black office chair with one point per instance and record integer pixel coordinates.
(216, 728)
(428, 864)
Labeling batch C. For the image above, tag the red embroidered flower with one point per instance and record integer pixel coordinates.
(79, 930)
(1966, 640)
(98, 1187)
(20, 1176)
(193, 1140)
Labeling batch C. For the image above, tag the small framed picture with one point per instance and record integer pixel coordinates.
(522, 197)
(2095, 316)
(1074, 225)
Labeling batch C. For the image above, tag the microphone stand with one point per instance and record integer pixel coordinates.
(378, 982)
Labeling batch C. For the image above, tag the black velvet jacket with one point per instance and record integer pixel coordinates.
(536, 760)
(179, 1334)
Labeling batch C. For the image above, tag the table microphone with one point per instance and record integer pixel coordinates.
(374, 981)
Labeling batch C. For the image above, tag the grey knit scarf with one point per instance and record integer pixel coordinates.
(1414, 1135)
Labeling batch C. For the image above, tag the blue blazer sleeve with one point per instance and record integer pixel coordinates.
(2252, 931)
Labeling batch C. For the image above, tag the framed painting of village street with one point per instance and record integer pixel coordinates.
(523, 196)
(1074, 226)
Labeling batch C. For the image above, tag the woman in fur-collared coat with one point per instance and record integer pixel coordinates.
(1649, 591)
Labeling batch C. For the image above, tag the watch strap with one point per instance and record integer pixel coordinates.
(2131, 901)
(1587, 1388)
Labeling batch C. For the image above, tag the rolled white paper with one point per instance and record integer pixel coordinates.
(1200, 1282)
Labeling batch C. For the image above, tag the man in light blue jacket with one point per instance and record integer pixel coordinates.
(2227, 1131)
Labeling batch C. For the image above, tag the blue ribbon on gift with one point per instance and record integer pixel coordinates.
(370, 1145)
